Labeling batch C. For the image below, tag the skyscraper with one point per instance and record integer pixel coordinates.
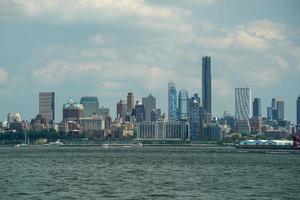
(47, 105)
(90, 105)
(149, 105)
(72, 111)
(243, 103)
(183, 105)
(256, 108)
(298, 110)
(172, 101)
(280, 109)
(195, 117)
(139, 112)
(121, 109)
(130, 102)
(206, 83)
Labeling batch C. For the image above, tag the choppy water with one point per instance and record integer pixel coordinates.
(147, 173)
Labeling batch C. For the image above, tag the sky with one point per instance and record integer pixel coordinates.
(106, 48)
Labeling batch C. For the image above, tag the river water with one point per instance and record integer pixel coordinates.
(147, 173)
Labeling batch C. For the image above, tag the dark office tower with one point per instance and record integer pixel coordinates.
(47, 105)
(90, 105)
(298, 110)
(149, 105)
(130, 102)
(121, 109)
(280, 109)
(206, 83)
(256, 108)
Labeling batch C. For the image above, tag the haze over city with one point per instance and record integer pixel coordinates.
(108, 48)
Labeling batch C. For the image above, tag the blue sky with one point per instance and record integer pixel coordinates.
(107, 48)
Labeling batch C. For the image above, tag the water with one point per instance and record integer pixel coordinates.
(147, 173)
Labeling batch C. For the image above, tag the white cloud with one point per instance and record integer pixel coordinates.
(3, 76)
(89, 9)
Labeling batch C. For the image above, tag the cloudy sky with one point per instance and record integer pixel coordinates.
(106, 48)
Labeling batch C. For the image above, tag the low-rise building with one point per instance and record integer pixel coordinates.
(162, 130)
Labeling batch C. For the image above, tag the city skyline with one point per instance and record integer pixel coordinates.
(96, 52)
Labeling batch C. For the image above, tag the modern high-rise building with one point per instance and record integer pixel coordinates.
(121, 109)
(206, 83)
(257, 108)
(280, 109)
(149, 105)
(139, 112)
(90, 105)
(298, 110)
(172, 102)
(195, 117)
(47, 105)
(130, 103)
(72, 111)
(183, 105)
(243, 103)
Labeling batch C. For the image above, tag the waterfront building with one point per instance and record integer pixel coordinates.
(149, 105)
(163, 130)
(72, 111)
(47, 105)
(211, 133)
(183, 105)
(243, 104)
(256, 108)
(139, 112)
(92, 124)
(298, 110)
(90, 105)
(121, 110)
(206, 83)
(130, 103)
(104, 111)
(39, 123)
(172, 102)
(242, 126)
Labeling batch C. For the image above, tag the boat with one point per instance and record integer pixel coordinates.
(56, 143)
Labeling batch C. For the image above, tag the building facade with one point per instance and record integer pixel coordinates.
(172, 102)
(47, 105)
(243, 110)
(90, 105)
(149, 105)
(130, 103)
(256, 108)
(139, 112)
(206, 83)
(183, 105)
(121, 110)
(160, 130)
(72, 111)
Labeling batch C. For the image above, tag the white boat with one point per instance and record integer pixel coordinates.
(105, 146)
(56, 143)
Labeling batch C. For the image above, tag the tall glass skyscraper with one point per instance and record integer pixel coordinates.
(47, 105)
(280, 109)
(90, 105)
(243, 103)
(172, 101)
(183, 105)
(256, 107)
(298, 110)
(206, 83)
